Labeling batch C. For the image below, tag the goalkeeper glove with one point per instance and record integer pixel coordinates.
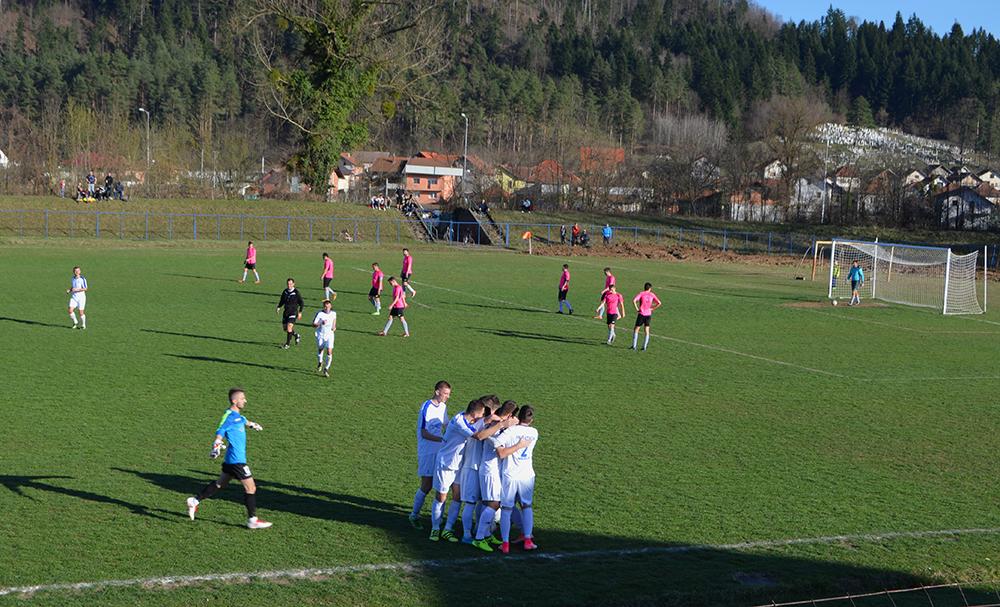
(254, 425)
(216, 450)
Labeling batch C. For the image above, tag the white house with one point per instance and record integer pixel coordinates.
(807, 196)
(964, 209)
(4, 161)
(848, 178)
(774, 169)
(989, 176)
(913, 177)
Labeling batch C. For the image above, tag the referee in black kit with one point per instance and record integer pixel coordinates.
(293, 305)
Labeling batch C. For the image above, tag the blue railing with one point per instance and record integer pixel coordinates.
(150, 225)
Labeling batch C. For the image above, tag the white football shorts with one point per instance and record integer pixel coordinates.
(515, 490)
(426, 462)
(444, 479)
(78, 300)
(324, 343)
(489, 486)
(469, 480)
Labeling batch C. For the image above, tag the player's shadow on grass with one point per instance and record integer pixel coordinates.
(18, 484)
(563, 339)
(505, 308)
(243, 363)
(37, 323)
(579, 567)
(211, 337)
(290, 499)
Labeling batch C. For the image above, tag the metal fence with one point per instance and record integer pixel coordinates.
(150, 225)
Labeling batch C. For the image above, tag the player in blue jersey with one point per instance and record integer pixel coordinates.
(857, 277)
(232, 430)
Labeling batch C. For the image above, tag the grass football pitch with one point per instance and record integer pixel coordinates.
(761, 449)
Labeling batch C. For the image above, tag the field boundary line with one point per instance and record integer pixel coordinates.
(895, 326)
(417, 566)
(773, 361)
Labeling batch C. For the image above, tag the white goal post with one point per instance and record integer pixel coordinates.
(912, 275)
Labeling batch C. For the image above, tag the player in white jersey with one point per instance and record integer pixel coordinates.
(468, 477)
(489, 480)
(78, 298)
(449, 461)
(516, 448)
(325, 322)
(430, 428)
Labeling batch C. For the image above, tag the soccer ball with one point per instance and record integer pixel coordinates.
(834, 302)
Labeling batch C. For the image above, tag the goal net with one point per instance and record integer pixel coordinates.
(931, 277)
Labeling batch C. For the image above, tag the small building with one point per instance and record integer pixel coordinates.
(773, 169)
(430, 180)
(989, 176)
(601, 160)
(963, 208)
(4, 161)
(754, 204)
(848, 178)
(913, 176)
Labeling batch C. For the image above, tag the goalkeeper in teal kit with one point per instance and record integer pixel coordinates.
(233, 430)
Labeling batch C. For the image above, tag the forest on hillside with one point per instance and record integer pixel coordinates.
(231, 84)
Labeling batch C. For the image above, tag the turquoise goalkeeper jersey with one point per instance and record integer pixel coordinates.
(233, 428)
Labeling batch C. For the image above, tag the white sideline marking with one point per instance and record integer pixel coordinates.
(416, 303)
(665, 337)
(417, 566)
(895, 326)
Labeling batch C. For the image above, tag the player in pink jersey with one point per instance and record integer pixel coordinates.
(407, 271)
(397, 308)
(609, 281)
(250, 264)
(645, 302)
(564, 290)
(328, 293)
(375, 293)
(614, 303)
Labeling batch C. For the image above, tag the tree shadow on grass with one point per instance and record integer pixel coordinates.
(215, 278)
(575, 568)
(274, 296)
(540, 336)
(242, 363)
(211, 337)
(505, 308)
(37, 323)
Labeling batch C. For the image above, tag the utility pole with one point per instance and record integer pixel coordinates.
(148, 157)
(465, 157)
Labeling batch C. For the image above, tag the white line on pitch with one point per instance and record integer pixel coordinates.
(416, 566)
(894, 326)
(665, 337)
(416, 303)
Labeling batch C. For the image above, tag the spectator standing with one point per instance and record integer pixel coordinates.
(562, 234)
(606, 233)
(91, 182)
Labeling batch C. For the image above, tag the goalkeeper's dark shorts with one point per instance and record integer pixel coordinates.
(237, 471)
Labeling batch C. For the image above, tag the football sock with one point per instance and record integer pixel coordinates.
(387, 325)
(329, 361)
(515, 518)
(528, 518)
(418, 502)
(453, 511)
(468, 510)
(378, 305)
(485, 520)
(570, 306)
(406, 328)
(207, 491)
(505, 524)
(256, 276)
(250, 499)
(611, 335)
(73, 318)
(244, 274)
(635, 339)
(436, 509)
(645, 343)
(320, 357)
(288, 338)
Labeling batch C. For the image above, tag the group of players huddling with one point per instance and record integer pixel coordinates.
(482, 456)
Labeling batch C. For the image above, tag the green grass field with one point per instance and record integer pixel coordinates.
(749, 420)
